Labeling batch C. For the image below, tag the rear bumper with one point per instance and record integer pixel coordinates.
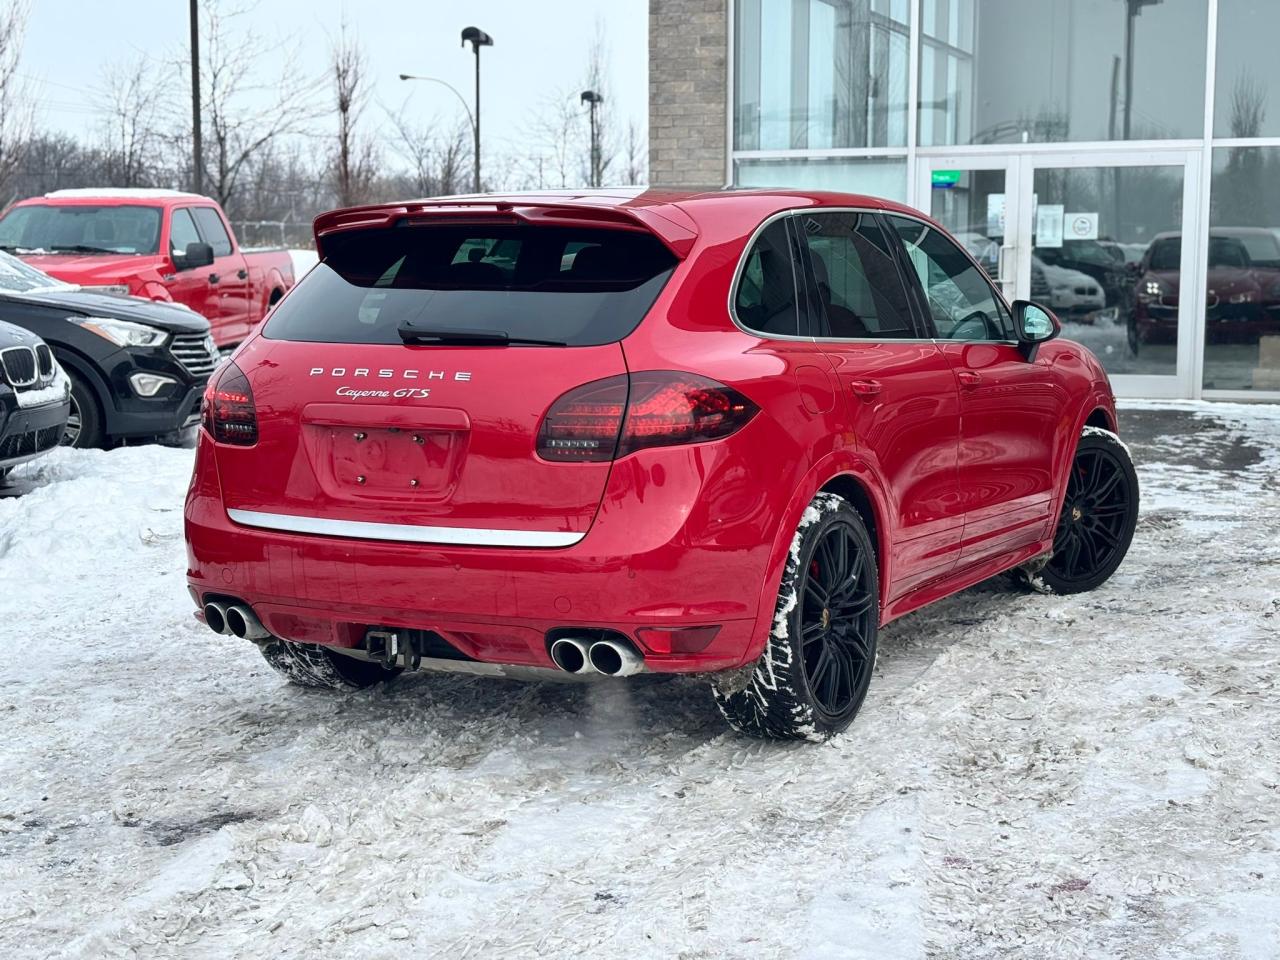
(647, 562)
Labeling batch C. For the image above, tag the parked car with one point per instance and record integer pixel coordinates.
(1103, 260)
(156, 244)
(1242, 299)
(726, 433)
(1067, 291)
(35, 398)
(137, 369)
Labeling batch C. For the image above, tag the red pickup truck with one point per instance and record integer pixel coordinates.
(157, 244)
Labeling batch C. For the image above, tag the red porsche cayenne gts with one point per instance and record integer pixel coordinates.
(723, 433)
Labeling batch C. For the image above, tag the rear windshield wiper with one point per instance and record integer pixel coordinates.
(479, 338)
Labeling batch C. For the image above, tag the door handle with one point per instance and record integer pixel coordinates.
(214, 278)
(1004, 259)
(865, 389)
(969, 378)
(242, 274)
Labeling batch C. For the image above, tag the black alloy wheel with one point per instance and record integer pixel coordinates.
(835, 624)
(815, 670)
(1098, 518)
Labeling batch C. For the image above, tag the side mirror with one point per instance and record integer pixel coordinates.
(197, 255)
(1034, 325)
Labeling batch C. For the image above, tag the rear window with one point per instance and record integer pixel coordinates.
(580, 287)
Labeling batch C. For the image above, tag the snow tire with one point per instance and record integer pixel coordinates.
(779, 698)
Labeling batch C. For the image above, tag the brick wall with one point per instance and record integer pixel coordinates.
(688, 92)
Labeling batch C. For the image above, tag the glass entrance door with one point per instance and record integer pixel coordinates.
(1100, 244)
(1097, 239)
(976, 199)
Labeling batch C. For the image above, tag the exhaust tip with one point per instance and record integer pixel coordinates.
(614, 660)
(243, 623)
(569, 655)
(215, 618)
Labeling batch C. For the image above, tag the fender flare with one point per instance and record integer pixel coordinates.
(841, 463)
(1097, 399)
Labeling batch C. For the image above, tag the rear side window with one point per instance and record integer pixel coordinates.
(765, 300)
(859, 287)
(215, 234)
(582, 287)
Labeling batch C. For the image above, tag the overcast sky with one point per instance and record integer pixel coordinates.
(540, 47)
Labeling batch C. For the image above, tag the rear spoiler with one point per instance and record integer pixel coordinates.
(672, 226)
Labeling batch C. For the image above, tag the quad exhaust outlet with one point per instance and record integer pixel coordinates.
(215, 617)
(607, 657)
(244, 623)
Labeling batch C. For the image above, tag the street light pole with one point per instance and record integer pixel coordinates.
(197, 158)
(477, 38)
(466, 107)
(593, 101)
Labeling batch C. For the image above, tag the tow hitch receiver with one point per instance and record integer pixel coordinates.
(391, 645)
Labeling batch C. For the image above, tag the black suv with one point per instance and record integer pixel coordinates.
(35, 398)
(137, 368)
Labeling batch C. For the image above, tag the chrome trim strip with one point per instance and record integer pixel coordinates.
(405, 532)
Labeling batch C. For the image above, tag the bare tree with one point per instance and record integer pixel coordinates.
(597, 164)
(15, 104)
(131, 100)
(556, 133)
(636, 160)
(355, 160)
(238, 124)
(437, 154)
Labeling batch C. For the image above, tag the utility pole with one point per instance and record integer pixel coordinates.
(197, 150)
(477, 38)
(593, 100)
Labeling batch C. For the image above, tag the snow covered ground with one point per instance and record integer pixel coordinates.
(1031, 776)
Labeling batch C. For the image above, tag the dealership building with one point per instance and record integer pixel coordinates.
(1071, 145)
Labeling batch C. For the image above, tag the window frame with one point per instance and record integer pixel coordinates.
(921, 299)
(918, 331)
(801, 307)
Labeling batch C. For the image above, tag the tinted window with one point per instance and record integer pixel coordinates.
(215, 234)
(581, 287)
(182, 231)
(859, 288)
(766, 296)
(80, 228)
(962, 301)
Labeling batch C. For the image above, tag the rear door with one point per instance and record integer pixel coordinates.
(227, 276)
(1009, 409)
(363, 434)
(898, 393)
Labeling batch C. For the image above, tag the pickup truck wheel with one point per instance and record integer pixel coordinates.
(1098, 516)
(817, 664)
(311, 665)
(84, 425)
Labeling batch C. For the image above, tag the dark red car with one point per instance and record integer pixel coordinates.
(718, 433)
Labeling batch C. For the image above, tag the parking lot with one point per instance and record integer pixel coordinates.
(1092, 776)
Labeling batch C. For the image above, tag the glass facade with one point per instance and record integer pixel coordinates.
(1068, 145)
(1047, 71)
(821, 74)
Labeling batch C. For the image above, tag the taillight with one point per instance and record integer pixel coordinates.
(229, 413)
(614, 417)
(582, 426)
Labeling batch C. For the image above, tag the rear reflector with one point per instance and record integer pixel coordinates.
(229, 413)
(677, 639)
(620, 415)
